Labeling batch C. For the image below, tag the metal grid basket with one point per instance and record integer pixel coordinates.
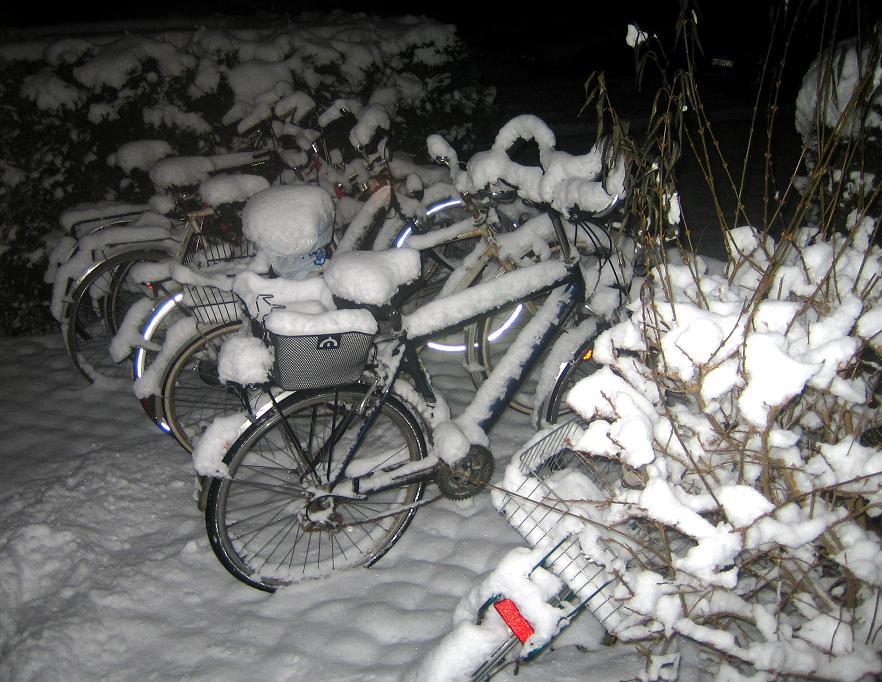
(570, 603)
(537, 513)
(319, 361)
(204, 249)
(210, 305)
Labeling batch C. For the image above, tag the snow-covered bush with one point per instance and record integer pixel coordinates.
(86, 116)
(739, 403)
(839, 117)
(743, 404)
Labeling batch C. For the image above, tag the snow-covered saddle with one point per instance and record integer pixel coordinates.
(371, 278)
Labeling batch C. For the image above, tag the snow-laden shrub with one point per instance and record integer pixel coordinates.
(743, 409)
(85, 116)
(736, 408)
(839, 117)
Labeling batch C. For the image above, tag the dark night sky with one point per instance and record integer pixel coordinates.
(499, 23)
(587, 32)
(598, 27)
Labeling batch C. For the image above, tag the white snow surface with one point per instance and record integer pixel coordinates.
(234, 188)
(296, 323)
(830, 87)
(106, 571)
(244, 359)
(140, 154)
(371, 277)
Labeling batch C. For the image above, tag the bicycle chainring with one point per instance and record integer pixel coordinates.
(467, 477)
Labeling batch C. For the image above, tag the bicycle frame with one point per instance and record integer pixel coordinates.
(556, 309)
(468, 272)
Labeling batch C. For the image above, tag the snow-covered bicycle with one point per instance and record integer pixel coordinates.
(96, 285)
(329, 475)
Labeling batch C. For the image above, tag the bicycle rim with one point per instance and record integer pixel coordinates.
(268, 528)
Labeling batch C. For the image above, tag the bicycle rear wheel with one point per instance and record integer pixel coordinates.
(269, 529)
(488, 340)
(168, 311)
(97, 305)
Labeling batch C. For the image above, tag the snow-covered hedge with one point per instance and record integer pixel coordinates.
(86, 116)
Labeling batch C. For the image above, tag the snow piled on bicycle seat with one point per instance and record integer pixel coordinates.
(371, 277)
(289, 220)
(234, 188)
(263, 294)
(188, 171)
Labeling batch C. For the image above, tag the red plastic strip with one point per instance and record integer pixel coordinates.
(516, 622)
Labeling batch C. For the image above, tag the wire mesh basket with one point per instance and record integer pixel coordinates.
(211, 305)
(538, 513)
(219, 238)
(319, 361)
(569, 603)
(204, 250)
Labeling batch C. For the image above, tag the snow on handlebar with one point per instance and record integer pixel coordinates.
(592, 183)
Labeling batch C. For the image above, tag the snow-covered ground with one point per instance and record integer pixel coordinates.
(106, 571)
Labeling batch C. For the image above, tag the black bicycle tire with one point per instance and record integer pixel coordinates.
(217, 512)
(580, 365)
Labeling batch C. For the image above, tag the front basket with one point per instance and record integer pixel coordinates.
(319, 361)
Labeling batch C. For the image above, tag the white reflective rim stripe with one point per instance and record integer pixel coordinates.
(403, 237)
(445, 347)
(158, 315)
(505, 325)
(432, 210)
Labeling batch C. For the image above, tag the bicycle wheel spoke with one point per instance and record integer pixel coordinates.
(192, 395)
(268, 529)
(280, 536)
(98, 304)
(284, 489)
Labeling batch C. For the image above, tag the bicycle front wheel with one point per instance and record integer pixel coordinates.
(269, 528)
(580, 366)
(97, 305)
(192, 393)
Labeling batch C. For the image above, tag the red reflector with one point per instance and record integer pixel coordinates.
(510, 613)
